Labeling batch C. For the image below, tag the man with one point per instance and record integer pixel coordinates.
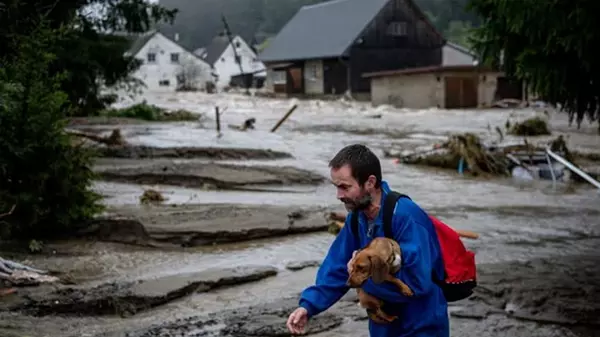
(356, 173)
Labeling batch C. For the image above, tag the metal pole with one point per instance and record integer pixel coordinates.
(551, 171)
(573, 168)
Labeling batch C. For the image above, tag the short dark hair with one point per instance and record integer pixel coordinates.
(362, 161)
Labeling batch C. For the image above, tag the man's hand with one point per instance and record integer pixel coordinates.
(296, 323)
(349, 265)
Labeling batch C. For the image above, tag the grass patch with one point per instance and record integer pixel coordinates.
(149, 112)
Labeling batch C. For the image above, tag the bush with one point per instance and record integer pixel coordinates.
(531, 127)
(47, 178)
(150, 112)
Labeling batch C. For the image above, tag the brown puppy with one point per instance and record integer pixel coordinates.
(380, 260)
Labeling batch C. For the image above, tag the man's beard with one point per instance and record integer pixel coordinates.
(358, 204)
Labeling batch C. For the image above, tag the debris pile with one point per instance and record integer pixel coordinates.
(468, 154)
(151, 196)
(17, 274)
(531, 127)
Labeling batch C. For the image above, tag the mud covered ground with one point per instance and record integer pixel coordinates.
(546, 298)
(539, 298)
(198, 225)
(204, 175)
(243, 228)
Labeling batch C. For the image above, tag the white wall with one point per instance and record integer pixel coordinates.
(418, 91)
(313, 77)
(163, 69)
(226, 67)
(422, 91)
(452, 57)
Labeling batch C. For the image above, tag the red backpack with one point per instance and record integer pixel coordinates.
(460, 272)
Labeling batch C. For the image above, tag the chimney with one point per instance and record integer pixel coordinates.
(176, 38)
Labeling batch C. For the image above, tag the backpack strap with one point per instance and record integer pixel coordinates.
(389, 205)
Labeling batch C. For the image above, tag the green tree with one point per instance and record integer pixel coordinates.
(550, 44)
(42, 174)
(88, 52)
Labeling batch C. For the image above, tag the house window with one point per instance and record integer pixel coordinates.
(151, 57)
(397, 28)
(278, 77)
(237, 44)
(175, 57)
(164, 83)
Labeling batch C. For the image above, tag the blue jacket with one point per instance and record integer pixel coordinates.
(423, 315)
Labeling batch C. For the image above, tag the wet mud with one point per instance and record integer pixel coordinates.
(550, 297)
(207, 176)
(151, 152)
(129, 298)
(200, 225)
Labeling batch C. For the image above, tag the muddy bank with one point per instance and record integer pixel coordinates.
(197, 225)
(142, 151)
(126, 299)
(206, 175)
(353, 129)
(553, 297)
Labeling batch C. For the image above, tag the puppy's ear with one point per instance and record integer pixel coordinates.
(379, 269)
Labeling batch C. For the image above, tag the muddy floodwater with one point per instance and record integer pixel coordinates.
(199, 268)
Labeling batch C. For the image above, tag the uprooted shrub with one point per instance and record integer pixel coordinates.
(530, 127)
(468, 147)
(149, 112)
(46, 178)
(151, 197)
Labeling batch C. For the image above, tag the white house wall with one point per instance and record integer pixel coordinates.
(422, 91)
(226, 66)
(455, 57)
(164, 70)
(418, 91)
(313, 77)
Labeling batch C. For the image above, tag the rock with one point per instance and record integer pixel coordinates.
(195, 175)
(142, 151)
(129, 298)
(299, 265)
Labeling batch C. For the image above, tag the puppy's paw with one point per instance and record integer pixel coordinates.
(406, 291)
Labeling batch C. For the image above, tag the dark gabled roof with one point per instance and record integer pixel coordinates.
(323, 30)
(215, 49)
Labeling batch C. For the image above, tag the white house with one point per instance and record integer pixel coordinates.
(167, 66)
(221, 55)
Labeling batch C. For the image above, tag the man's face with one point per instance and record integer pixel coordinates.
(354, 196)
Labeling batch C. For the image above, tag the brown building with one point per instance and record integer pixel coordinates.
(326, 48)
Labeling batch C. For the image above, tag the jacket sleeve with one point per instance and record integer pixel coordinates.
(330, 284)
(411, 233)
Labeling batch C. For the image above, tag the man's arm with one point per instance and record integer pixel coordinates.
(409, 227)
(330, 284)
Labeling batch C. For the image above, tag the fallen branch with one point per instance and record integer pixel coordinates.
(115, 137)
(12, 209)
(20, 274)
